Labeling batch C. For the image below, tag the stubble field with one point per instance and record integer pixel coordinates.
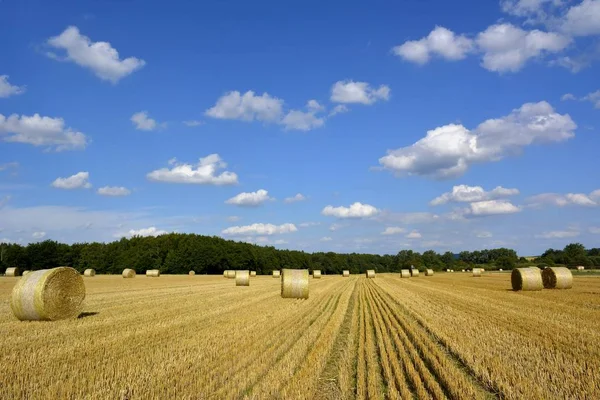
(201, 337)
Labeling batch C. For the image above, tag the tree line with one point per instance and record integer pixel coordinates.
(180, 253)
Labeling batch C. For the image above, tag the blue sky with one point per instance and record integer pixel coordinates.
(368, 126)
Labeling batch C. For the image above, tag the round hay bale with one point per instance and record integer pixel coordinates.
(370, 273)
(526, 279)
(557, 278)
(414, 272)
(152, 273)
(276, 273)
(580, 268)
(476, 272)
(49, 295)
(500, 270)
(192, 273)
(242, 278)
(12, 272)
(231, 274)
(252, 273)
(225, 274)
(89, 272)
(27, 271)
(428, 272)
(128, 273)
(294, 283)
(317, 274)
(345, 273)
(404, 273)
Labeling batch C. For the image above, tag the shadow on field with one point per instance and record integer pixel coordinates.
(87, 314)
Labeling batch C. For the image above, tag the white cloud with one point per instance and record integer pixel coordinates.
(594, 98)
(247, 107)
(560, 200)
(152, 231)
(535, 10)
(114, 191)
(595, 230)
(349, 91)
(492, 207)
(301, 121)
(583, 19)
(449, 151)
(393, 230)
(100, 57)
(507, 48)
(193, 123)
(251, 199)
(356, 210)
(294, 199)
(568, 96)
(77, 181)
(339, 109)
(41, 131)
(573, 64)
(7, 90)
(308, 224)
(7, 166)
(440, 41)
(38, 235)
(467, 194)
(260, 229)
(483, 234)
(414, 235)
(314, 105)
(233, 218)
(204, 173)
(326, 239)
(557, 235)
(143, 122)
(336, 227)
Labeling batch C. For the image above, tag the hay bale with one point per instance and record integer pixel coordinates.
(252, 273)
(405, 273)
(526, 279)
(152, 273)
(49, 295)
(476, 272)
(242, 278)
(12, 272)
(192, 273)
(345, 273)
(500, 270)
(225, 274)
(26, 272)
(276, 273)
(370, 273)
(317, 274)
(231, 274)
(414, 272)
(89, 272)
(128, 273)
(557, 278)
(580, 268)
(428, 272)
(294, 283)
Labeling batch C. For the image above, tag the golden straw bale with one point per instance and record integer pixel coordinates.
(231, 274)
(12, 272)
(317, 274)
(276, 273)
(526, 279)
(192, 273)
(128, 273)
(370, 273)
(252, 273)
(48, 294)
(404, 273)
(477, 272)
(89, 272)
(294, 283)
(345, 273)
(428, 272)
(224, 273)
(557, 278)
(152, 273)
(414, 272)
(580, 268)
(242, 278)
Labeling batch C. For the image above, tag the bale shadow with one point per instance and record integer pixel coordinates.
(87, 314)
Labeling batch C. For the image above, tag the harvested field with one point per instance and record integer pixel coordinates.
(352, 338)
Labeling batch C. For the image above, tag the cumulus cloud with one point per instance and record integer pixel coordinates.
(193, 123)
(593, 98)
(326, 239)
(301, 121)
(294, 199)
(557, 235)
(204, 173)
(583, 19)
(448, 151)
(349, 91)
(247, 107)
(314, 105)
(393, 230)
(414, 235)
(114, 191)
(151, 231)
(308, 224)
(467, 194)
(38, 235)
(491, 207)
(339, 109)
(7, 90)
(41, 131)
(77, 181)
(100, 57)
(251, 199)
(440, 42)
(260, 229)
(555, 199)
(336, 227)
(595, 230)
(568, 96)
(356, 210)
(143, 122)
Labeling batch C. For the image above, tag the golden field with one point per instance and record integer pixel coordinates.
(201, 337)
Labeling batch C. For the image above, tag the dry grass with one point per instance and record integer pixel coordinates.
(352, 338)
